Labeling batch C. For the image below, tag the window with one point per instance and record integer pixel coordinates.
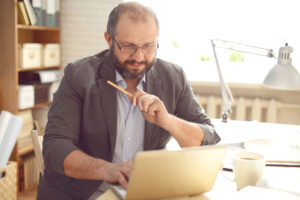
(187, 26)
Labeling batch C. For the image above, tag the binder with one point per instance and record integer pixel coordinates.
(51, 13)
(44, 12)
(37, 8)
(57, 14)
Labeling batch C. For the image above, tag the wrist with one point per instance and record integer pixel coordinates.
(167, 123)
(103, 170)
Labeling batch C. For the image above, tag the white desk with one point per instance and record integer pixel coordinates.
(277, 182)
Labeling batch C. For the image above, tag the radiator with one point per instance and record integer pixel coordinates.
(246, 109)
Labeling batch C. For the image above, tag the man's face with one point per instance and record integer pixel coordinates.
(130, 34)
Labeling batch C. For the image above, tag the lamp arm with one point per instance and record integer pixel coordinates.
(228, 45)
(225, 90)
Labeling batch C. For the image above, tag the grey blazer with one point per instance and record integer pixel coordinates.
(83, 116)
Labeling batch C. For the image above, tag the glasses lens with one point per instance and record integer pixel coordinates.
(128, 49)
(149, 48)
(131, 49)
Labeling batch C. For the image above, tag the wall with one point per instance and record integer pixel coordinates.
(83, 24)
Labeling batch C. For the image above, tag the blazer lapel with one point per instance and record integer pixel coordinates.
(109, 99)
(153, 85)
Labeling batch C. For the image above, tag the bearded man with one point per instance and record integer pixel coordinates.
(94, 130)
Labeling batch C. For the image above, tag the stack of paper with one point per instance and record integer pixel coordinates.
(10, 126)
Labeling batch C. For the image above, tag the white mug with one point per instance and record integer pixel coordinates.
(247, 168)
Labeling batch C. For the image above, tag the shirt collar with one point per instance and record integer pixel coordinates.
(122, 83)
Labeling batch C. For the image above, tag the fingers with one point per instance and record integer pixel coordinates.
(124, 173)
(119, 173)
(126, 169)
(123, 182)
(147, 102)
(136, 96)
(152, 108)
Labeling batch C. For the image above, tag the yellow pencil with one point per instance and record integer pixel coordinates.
(122, 90)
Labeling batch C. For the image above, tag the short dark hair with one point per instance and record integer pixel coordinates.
(137, 11)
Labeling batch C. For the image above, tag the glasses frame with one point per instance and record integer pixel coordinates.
(136, 48)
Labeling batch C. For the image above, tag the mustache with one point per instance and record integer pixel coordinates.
(134, 62)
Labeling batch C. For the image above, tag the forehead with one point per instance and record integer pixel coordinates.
(136, 29)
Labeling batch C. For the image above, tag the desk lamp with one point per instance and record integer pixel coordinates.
(282, 76)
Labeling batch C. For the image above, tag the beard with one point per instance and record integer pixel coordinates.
(122, 68)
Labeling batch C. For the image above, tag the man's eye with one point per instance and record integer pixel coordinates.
(129, 47)
(150, 46)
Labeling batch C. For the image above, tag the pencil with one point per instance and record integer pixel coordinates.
(122, 90)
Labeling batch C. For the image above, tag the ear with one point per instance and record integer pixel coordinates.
(108, 39)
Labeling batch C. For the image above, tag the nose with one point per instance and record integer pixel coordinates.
(138, 55)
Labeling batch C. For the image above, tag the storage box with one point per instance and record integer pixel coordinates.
(30, 55)
(8, 182)
(41, 92)
(51, 55)
(26, 96)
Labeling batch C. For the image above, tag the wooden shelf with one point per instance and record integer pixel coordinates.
(10, 73)
(37, 68)
(37, 28)
(47, 103)
(25, 150)
(42, 104)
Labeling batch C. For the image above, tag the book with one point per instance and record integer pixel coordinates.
(30, 12)
(9, 139)
(22, 14)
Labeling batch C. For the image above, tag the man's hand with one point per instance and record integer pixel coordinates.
(118, 173)
(153, 109)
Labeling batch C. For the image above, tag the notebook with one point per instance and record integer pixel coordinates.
(163, 174)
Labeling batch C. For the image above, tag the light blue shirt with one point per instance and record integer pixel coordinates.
(130, 130)
(130, 126)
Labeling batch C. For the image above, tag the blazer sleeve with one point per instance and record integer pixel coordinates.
(189, 109)
(63, 127)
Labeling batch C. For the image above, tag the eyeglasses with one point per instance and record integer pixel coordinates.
(131, 49)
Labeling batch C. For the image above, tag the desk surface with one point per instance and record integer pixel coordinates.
(276, 183)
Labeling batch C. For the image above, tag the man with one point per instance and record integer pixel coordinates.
(94, 130)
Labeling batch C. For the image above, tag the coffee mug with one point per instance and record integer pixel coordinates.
(247, 168)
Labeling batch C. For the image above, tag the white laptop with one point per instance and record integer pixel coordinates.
(164, 174)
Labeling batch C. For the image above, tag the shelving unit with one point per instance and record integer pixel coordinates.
(12, 35)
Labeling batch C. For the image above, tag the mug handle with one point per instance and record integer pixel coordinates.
(227, 169)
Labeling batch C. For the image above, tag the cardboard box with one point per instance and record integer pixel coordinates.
(51, 55)
(25, 96)
(8, 182)
(41, 92)
(30, 55)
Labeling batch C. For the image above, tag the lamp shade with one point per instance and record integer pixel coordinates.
(283, 75)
